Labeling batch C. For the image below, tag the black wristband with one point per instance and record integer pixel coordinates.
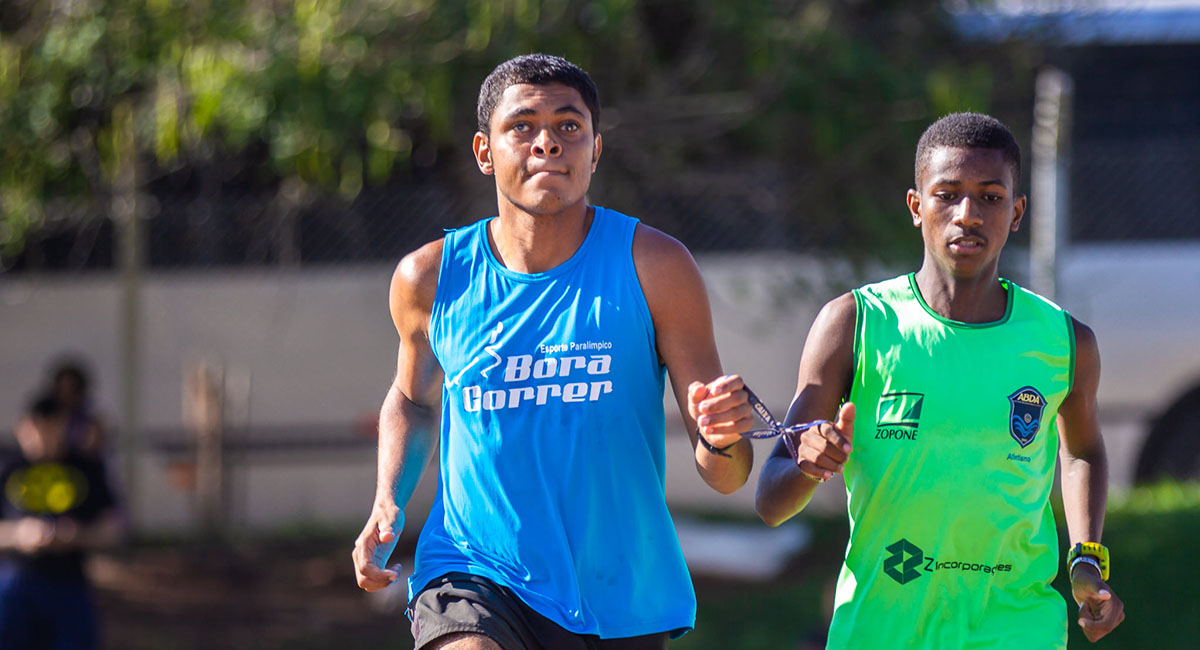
(716, 451)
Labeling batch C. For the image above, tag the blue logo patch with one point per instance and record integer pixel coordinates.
(1025, 418)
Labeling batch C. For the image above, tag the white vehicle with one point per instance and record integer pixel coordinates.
(1116, 158)
(1143, 301)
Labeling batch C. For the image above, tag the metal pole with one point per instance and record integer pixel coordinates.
(204, 406)
(125, 214)
(1049, 202)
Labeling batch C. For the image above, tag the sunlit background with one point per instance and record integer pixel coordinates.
(205, 199)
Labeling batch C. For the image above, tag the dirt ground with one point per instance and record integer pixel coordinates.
(299, 594)
(294, 595)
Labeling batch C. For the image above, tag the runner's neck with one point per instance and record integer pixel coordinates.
(528, 243)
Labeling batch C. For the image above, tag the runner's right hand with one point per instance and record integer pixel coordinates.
(374, 545)
(823, 450)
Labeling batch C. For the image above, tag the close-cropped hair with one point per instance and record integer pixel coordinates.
(968, 131)
(535, 70)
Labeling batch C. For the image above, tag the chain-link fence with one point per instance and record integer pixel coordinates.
(731, 210)
(1135, 153)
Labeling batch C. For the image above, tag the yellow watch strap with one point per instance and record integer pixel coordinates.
(1094, 550)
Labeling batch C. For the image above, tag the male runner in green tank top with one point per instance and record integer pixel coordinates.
(960, 389)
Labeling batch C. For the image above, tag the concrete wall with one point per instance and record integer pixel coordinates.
(314, 350)
(317, 346)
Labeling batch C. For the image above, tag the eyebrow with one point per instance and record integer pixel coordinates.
(949, 181)
(521, 112)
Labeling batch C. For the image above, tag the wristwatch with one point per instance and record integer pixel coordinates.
(1084, 551)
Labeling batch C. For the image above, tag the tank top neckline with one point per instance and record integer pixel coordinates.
(566, 266)
(1009, 289)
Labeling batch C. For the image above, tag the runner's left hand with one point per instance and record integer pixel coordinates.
(1100, 610)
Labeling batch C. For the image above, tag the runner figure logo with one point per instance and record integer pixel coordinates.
(1025, 417)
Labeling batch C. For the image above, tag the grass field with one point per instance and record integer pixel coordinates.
(295, 591)
(1150, 532)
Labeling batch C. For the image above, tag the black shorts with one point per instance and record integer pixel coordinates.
(460, 602)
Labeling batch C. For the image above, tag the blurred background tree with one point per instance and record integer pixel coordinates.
(761, 123)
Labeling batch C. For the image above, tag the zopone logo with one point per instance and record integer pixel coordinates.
(898, 416)
(906, 556)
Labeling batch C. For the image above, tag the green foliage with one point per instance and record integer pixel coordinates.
(340, 94)
(1162, 497)
(1149, 531)
(791, 611)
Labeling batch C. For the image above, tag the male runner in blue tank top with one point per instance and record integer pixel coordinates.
(549, 329)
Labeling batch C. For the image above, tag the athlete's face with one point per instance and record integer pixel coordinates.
(540, 147)
(966, 206)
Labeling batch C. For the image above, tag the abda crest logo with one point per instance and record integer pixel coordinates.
(1025, 416)
(901, 565)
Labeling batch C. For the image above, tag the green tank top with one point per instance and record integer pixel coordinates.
(952, 539)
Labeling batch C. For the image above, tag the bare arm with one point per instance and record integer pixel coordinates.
(106, 532)
(1081, 448)
(683, 328)
(1085, 484)
(407, 437)
(25, 535)
(34, 535)
(826, 366)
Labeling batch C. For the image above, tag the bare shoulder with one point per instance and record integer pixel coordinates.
(414, 282)
(828, 356)
(655, 251)
(1084, 336)
(1087, 357)
(668, 274)
(838, 314)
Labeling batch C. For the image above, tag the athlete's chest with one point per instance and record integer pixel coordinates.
(569, 341)
(960, 404)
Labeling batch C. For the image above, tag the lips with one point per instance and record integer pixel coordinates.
(548, 172)
(967, 245)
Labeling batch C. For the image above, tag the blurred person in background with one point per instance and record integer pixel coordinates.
(56, 506)
(546, 333)
(70, 383)
(954, 392)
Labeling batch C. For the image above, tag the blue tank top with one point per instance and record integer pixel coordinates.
(552, 437)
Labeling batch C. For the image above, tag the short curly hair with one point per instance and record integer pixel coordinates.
(970, 131)
(536, 70)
